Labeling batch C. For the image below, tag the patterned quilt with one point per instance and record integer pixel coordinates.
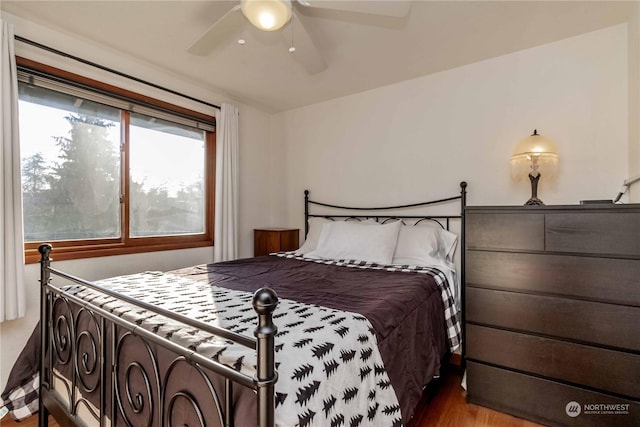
(330, 372)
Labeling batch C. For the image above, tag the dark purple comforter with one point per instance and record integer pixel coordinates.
(405, 309)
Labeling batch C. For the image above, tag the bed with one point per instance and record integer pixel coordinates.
(304, 338)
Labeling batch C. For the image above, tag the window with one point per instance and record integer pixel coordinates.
(102, 175)
(166, 183)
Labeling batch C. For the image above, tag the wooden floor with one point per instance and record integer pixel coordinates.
(447, 408)
(7, 421)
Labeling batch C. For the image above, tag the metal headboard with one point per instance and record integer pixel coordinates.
(373, 211)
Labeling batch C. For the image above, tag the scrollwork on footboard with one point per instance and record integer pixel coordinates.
(62, 334)
(61, 342)
(182, 406)
(76, 350)
(151, 389)
(125, 375)
(89, 368)
(136, 384)
(88, 345)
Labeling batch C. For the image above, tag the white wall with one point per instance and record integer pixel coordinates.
(415, 140)
(256, 188)
(634, 100)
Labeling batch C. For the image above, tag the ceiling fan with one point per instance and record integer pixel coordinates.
(271, 15)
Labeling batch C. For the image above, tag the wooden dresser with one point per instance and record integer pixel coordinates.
(268, 240)
(552, 312)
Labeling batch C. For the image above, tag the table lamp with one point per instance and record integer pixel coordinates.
(533, 154)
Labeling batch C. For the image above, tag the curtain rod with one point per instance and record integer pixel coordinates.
(111, 70)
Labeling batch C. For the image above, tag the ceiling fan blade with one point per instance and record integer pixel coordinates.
(217, 33)
(307, 54)
(394, 8)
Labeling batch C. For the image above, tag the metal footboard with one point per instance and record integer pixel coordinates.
(111, 372)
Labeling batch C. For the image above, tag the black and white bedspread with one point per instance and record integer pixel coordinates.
(335, 368)
(330, 370)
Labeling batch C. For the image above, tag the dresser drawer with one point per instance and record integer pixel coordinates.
(605, 279)
(594, 232)
(590, 322)
(543, 400)
(505, 231)
(614, 371)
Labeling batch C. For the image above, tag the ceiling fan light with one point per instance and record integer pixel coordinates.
(267, 15)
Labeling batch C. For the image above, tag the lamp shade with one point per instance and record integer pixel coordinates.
(267, 15)
(533, 153)
(535, 145)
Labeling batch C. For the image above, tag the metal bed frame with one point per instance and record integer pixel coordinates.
(96, 354)
(87, 355)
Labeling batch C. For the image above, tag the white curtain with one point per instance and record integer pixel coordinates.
(226, 216)
(12, 293)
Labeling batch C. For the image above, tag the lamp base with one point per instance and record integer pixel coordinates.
(534, 201)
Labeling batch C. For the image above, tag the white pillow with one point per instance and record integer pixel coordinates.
(418, 246)
(315, 228)
(424, 245)
(448, 241)
(359, 241)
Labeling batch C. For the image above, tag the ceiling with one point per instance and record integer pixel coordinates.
(361, 51)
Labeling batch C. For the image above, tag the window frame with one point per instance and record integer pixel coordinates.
(125, 244)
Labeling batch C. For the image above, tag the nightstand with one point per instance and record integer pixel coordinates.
(268, 240)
